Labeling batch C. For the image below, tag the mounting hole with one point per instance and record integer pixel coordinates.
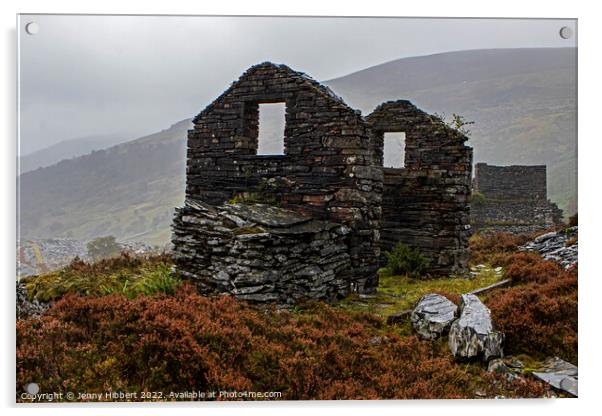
(566, 32)
(32, 388)
(32, 28)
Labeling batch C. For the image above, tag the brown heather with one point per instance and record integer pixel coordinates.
(191, 342)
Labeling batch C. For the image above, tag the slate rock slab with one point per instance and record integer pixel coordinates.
(472, 335)
(557, 246)
(559, 374)
(433, 316)
(28, 308)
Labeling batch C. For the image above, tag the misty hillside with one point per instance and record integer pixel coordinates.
(128, 191)
(522, 101)
(66, 149)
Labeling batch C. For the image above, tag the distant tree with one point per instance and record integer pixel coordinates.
(103, 247)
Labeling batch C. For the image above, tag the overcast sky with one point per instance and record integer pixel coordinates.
(102, 75)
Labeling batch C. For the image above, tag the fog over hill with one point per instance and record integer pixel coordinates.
(67, 149)
(523, 103)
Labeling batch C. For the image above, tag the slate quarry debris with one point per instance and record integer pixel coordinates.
(26, 308)
(472, 335)
(433, 315)
(561, 246)
(331, 173)
(560, 374)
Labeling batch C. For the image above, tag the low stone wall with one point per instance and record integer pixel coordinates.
(514, 216)
(261, 253)
(512, 199)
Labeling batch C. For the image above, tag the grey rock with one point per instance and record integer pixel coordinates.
(559, 374)
(472, 335)
(553, 246)
(497, 365)
(513, 362)
(433, 316)
(28, 308)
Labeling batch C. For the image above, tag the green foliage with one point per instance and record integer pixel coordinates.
(152, 281)
(128, 275)
(477, 198)
(266, 193)
(406, 261)
(398, 293)
(103, 248)
(457, 122)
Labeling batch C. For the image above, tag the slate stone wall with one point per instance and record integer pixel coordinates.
(261, 253)
(330, 183)
(511, 182)
(328, 171)
(426, 203)
(512, 199)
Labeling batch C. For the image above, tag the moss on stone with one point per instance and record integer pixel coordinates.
(248, 230)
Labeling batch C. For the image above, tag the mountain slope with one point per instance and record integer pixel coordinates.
(128, 191)
(522, 102)
(66, 149)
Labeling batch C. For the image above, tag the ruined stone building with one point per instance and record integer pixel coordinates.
(311, 223)
(512, 199)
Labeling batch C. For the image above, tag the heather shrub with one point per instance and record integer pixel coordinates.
(191, 342)
(453, 297)
(539, 314)
(530, 267)
(491, 248)
(405, 261)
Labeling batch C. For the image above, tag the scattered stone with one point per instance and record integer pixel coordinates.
(28, 308)
(514, 362)
(497, 365)
(433, 315)
(472, 335)
(559, 374)
(376, 340)
(399, 317)
(561, 246)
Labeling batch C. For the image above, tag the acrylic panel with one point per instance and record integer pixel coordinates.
(296, 208)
